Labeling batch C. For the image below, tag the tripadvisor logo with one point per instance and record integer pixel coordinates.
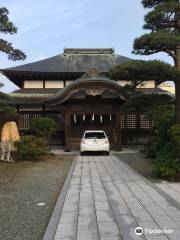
(139, 231)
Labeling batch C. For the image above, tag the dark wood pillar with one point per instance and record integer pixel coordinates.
(118, 132)
(67, 131)
(138, 126)
(17, 117)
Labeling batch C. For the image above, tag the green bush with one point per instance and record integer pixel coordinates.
(164, 147)
(174, 133)
(30, 148)
(166, 163)
(43, 127)
(153, 146)
(163, 117)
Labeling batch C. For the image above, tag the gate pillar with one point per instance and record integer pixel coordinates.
(67, 116)
(118, 132)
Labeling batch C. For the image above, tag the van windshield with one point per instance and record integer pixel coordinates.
(95, 135)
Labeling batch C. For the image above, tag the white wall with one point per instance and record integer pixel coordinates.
(54, 84)
(145, 84)
(168, 86)
(39, 84)
(123, 83)
(33, 84)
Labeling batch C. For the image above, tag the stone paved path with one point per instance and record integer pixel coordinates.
(107, 200)
(172, 189)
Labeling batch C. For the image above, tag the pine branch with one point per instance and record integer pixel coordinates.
(13, 54)
(138, 71)
(171, 54)
(154, 3)
(162, 17)
(8, 27)
(5, 25)
(155, 42)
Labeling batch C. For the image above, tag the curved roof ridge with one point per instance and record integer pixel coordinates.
(92, 76)
(88, 51)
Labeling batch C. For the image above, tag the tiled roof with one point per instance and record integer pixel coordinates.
(74, 60)
(35, 91)
(152, 91)
(30, 96)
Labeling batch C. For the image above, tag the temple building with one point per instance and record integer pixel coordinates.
(74, 89)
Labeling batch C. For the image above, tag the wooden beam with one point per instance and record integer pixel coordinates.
(67, 131)
(118, 132)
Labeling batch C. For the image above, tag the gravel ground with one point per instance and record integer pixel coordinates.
(140, 164)
(22, 186)
(144, 166)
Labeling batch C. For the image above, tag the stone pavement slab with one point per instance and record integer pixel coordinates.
(106, 199)
(172, 189)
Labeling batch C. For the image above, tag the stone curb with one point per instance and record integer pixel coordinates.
(53, 223)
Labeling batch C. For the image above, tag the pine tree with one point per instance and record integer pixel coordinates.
(6, 26)
(163, 21)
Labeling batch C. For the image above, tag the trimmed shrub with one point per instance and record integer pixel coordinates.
(30, 148)
(43, 127)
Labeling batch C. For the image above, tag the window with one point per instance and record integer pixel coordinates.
(95, 135)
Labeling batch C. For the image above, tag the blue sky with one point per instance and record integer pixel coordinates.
(46, 27)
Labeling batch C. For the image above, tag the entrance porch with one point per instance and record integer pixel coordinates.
(90, 103)
(78, 121)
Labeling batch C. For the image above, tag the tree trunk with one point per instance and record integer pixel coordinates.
(177, 87)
